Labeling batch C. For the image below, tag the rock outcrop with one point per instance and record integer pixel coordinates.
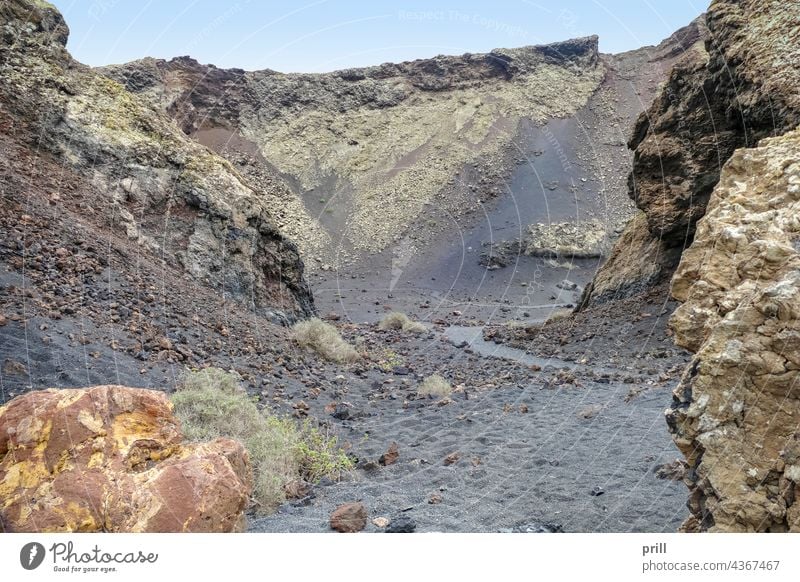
(736, 412)
(366, 151)
(636, 263)
(144, 180)
(572, 240)
(727, 92)
(111, 458)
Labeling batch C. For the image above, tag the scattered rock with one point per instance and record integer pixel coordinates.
(590, 411)
(596, 491)
(343, 412)
(674, 471)
(297, 489)
(368, 466)
(535, 527)
(349, 518)
(435, 499)
(402, 524)
(452, 458)
(380, 522)
(390, 456)
(567, 285)
(300, 409)
(12, 366)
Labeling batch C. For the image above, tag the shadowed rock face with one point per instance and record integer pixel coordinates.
(144, 181)
(111, 458)
(735, 413)
(363, 152)
(738, 88)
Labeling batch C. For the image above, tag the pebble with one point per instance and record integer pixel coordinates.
(402, 524)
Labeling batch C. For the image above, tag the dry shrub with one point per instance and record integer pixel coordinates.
(397, 320)
(558, 315)
(435, 386)
(324, 339)
(211, 404)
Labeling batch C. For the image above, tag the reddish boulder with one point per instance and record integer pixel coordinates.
(349, 518)
(111, 458)
(390, 456)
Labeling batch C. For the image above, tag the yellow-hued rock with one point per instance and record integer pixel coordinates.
(112, 458)
(736, 411)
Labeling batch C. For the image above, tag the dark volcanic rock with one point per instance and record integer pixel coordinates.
(737, 87)
(401, 524)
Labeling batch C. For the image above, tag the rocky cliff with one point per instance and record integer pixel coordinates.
(134, 176)
(734, 86)
(364, 152)
(699, 181)
(735, 414)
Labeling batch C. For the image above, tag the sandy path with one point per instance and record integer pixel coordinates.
(515, 467)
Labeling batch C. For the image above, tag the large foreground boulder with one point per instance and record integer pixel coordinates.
(111, 458)
(736, 413)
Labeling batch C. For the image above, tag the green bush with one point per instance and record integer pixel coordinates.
(435, 386)
(324, 339)
(211, 403)
(397, 320)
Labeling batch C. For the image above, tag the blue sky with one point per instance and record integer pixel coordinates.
(324, 35)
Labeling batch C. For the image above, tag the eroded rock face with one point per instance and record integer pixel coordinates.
(111, 458)
(741, 88)
(635, 264)
(736, 413)
(734, 89)
(145, 181)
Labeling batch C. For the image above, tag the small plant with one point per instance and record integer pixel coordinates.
(319, 456)
(435, 386)
(397, 320)
(389, 360)
(211, 403)
(324, 339)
